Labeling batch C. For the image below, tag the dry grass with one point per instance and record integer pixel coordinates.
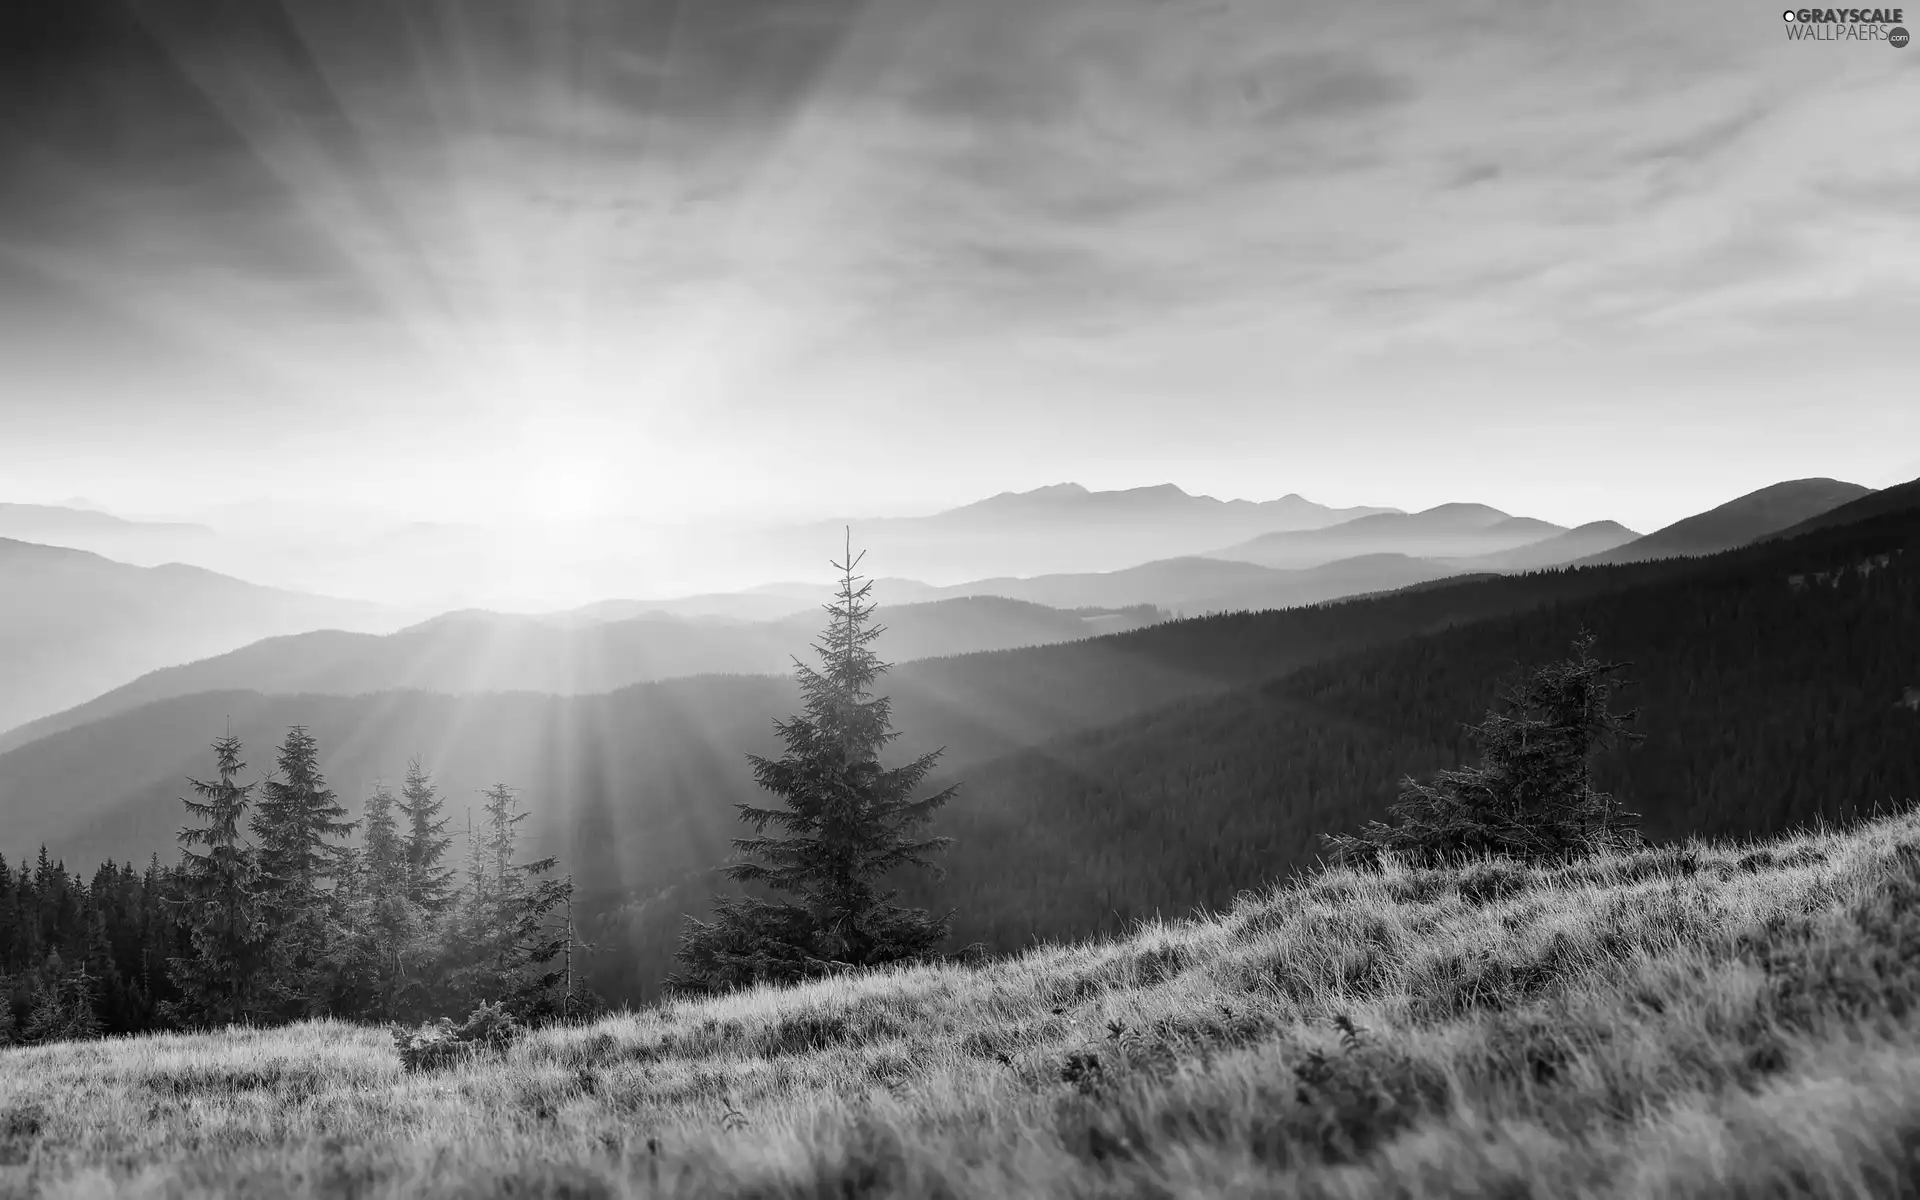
(1700, 1020)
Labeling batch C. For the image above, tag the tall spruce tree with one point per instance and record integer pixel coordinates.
(429, 885)
(847, 823)
(1531, 794)
(220, 902)
(295, 820)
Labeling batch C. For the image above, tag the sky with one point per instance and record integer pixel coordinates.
(480, 260)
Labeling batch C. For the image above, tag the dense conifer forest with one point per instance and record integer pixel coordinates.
(271, 915)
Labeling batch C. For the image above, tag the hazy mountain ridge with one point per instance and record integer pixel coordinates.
(1072, 503)
(74, 624)
(429, 566)
(46, 523)
(467, 653)
(1064, 528)
(1445, 531)
(1554, 551)
(1190, 586)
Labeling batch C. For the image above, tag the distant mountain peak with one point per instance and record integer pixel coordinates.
(1460, 510)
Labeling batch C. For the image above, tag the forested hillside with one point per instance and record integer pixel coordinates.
(1739, 521)
(1769, 696)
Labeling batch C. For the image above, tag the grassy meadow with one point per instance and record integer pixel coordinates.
(1724, 1020)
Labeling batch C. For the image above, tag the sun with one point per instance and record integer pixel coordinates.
(561, 491)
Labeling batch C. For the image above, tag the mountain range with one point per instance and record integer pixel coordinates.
(1446, 531)
(1062, 528)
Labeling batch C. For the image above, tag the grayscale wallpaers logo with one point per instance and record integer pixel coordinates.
(1846, 25)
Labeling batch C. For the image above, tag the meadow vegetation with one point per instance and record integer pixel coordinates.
(1697, 1018)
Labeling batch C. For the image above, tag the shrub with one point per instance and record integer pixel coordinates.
(490, 1028)
(1531, 795)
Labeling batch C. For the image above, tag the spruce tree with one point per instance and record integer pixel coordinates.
(577, 1000)
(510, 943)
(219, 901)
(80, 997)
(1531, 794)
(47, 1019)
(429, 885)
(296, 819)
(67, 1004)
(386, 924)
(847, 823)
(9, 918)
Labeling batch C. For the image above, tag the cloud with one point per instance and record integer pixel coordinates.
(643, 204)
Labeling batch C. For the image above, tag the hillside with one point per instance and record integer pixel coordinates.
(1703, 1019)
(465, 653)
(1448, 531)
(1875, 504)
(1737, 522)
(1764, 705)
(74, 624)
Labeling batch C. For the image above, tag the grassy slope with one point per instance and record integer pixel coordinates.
(1698, 1019)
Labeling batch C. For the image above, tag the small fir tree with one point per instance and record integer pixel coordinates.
(219, 901)
(577, 1000)
(66, 1008)
(847, 823)
(1531, 795)
(430, 886)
